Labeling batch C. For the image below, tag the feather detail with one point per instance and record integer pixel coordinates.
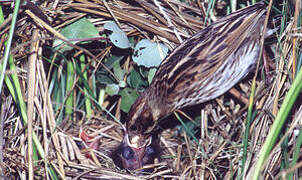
(200, 69)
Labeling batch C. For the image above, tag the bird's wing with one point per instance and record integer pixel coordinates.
(204, 66)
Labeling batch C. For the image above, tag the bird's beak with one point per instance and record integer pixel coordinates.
(137, 141)
(133, 156)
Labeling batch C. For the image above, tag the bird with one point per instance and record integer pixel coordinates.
(200, 69)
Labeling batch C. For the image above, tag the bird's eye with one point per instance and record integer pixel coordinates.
(127, 153)
(149, 155)
(149, 150)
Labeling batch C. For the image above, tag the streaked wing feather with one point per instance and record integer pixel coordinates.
(201, 68)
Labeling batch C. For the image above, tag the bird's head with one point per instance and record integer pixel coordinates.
(133, 154)
(139, 147)
(132, 157)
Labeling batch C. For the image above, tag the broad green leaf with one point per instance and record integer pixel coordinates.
(82, 28)
(103, 76)
(149, 54)
(117, 37)
(151, 74)
(118, 71)
(135, 80)
(128, 97)
(112, 89)
(110, 61)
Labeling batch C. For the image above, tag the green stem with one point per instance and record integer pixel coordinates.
(69, 91)
(9, 40)
(85, 79)
(278, 123)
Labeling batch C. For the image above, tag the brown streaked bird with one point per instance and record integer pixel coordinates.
(202, 68)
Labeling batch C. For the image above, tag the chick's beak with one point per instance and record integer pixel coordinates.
(133, 152)
(132, 157)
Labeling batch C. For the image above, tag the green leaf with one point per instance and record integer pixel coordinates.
(112, 89)
(103, 76)
(110, 61)
(135, 80)
(122, 84)
(151, 74)
(128, 97)
(118, 71)
(82, 28)
(117, 37)
(191, 126)
(149, 54)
